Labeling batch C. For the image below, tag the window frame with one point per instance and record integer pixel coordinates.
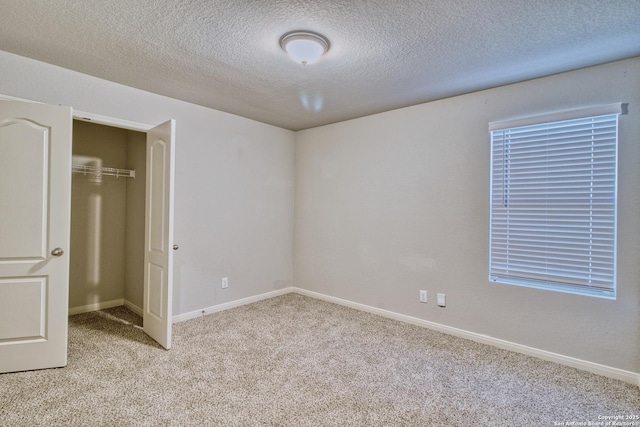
(540, 121)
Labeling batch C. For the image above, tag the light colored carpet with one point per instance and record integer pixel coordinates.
(296, 361)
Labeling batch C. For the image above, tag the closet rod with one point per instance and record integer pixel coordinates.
(102, 171)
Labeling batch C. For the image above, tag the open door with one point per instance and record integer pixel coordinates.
(158, 257)
(35, 215)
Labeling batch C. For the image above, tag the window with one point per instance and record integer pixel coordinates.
(553, 201)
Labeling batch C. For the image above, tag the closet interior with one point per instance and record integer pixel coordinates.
(107, 218)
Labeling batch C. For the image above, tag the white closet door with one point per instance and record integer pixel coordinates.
(35, 215)
(158, 259)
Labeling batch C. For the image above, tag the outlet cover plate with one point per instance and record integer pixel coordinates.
(423, 296)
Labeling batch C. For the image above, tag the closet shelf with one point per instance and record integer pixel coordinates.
(102, 171)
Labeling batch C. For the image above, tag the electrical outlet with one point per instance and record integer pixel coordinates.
(423, 296)
(225, 282)
(442, 300)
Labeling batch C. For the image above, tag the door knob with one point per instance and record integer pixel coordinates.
(57, 252)
(175, 247)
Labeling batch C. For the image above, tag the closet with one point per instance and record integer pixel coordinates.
(86, 240)
(107, 218)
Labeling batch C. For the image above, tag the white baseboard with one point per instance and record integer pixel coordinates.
(106, 304)
(229, 305)
(131, 306)
(97, 306)
(596, 368)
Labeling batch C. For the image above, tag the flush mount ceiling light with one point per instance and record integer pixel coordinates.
(304, 47)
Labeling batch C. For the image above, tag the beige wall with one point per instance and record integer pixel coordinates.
(384, 206)
(393, 203)
(98, 210)
(107, 218)
(135, 218)
(233, 182)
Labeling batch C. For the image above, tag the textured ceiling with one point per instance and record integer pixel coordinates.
(384, 54)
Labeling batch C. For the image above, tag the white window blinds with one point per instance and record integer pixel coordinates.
(553, 205)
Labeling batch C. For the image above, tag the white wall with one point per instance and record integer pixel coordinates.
(234, 181)
(393, 203)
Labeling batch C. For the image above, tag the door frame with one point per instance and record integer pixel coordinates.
(91, 117)
(102, 120)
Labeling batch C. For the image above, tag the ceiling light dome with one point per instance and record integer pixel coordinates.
(304, 47)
